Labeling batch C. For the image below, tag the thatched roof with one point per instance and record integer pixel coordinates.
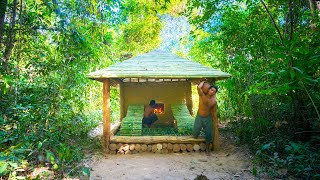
(158, 65)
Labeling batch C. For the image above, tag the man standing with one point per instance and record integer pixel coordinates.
(207, 108)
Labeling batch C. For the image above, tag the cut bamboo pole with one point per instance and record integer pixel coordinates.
(106, 114)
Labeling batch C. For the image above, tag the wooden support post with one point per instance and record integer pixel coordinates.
(216, 145)
(189, 98)
(106, 114)
(121, 101)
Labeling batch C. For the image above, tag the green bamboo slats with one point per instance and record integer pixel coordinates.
(131, 125)
(184, 120)
(158, 64)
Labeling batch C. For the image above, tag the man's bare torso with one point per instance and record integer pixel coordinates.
(206, 105)
(147, 111)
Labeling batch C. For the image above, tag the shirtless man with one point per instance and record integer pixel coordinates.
(149, 117)
(207, 103)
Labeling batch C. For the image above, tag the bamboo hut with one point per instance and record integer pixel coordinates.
(156, 75)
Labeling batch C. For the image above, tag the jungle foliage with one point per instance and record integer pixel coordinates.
(272, 50)
(47, 105)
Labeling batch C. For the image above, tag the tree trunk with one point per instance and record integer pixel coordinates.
(3, 8)
(11, 35)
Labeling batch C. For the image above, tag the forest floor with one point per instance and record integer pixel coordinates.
(230, 162)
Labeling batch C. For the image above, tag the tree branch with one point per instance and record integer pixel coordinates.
(274, 23)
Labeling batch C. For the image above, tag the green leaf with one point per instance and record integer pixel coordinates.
(292, 74)
(50, 157)
(55, 166)
(39, 145)
(86, 171)
(13, 164)
(297, 69)
(254, 171)
(3, 168)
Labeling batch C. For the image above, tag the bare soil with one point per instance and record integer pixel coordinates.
(230, 162)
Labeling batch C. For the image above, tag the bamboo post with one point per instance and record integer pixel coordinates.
(121, 101)
(215, 138)
(189, 98)
(106, 114)
(216, 144)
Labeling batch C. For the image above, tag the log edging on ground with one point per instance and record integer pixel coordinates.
(156, 144)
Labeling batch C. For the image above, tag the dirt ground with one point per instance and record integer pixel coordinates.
(230, 162)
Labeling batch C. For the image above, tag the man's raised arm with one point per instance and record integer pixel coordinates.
(200, 85)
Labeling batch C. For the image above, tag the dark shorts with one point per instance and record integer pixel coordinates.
(206, 124)
(150, 120)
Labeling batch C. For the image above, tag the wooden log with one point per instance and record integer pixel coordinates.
(115, 128)
(216, 145)
(159, 146)
(119, 145)
(203, 146)
(170, 146)
(113, 152)
(154, 148)
(190, 147)
(183, 147)
(144, 147)
(106, 114)
(127, 152)
(164, 151)
(196, 147)
(120, 151)
(137, 147)
(131, 147)
(164, 146)
(156, 139)
(125, 147)
(176, 148)
(113, 147)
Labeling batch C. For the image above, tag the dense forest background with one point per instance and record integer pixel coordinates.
(47, 105)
